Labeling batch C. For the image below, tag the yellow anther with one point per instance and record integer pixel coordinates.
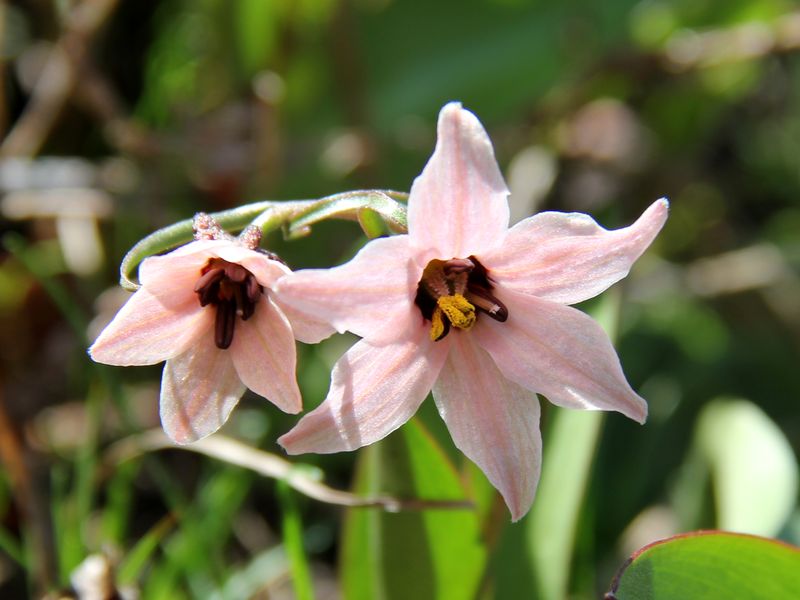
(458, 311)
(437, 325)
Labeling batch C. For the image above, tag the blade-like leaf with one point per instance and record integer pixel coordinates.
(432, 554)
(535, 555)
(712, 566)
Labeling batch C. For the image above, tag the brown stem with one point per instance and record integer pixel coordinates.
(269, 465)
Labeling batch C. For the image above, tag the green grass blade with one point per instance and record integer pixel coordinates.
(293, 542)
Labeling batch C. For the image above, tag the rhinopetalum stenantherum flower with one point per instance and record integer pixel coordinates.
(207, 310)
(475, 311)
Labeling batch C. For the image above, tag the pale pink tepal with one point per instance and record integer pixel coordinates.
(475, 311)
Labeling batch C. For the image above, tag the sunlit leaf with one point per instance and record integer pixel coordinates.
(432, 554)
(711, 566)
(753, 467)
(371, 223)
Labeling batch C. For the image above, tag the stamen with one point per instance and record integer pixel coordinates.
(236, 273)
(459, 312)
(452, 292)
(485, 302)
(233, 291)
(253, 289)
(439, 325)
(208, 285)
(224, 323)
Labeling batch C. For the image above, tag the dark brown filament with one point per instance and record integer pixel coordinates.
(233, 291)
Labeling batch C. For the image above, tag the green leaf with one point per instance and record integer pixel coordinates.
(753, 467)
(431, 554)
(710, 565)
(137, 558)
(371, 223)
(553, 522)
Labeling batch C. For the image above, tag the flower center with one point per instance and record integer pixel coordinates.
(232, 290)
(452, 292)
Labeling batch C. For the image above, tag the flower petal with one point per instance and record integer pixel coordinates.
(559, 352)
(177, 268)
(265, 358)
(150, 328)
(492, 420)
(199, 389)
(266, 270)
(372, 295)
(306, 328)
(568, 257)
(458, 205)
(374, 390)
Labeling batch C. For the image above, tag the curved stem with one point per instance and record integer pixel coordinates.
(269, 465)
(269, 215)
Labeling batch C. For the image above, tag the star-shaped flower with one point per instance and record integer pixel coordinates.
(206, 309)
(475, 311)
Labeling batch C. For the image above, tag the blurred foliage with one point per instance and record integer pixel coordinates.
(167, 107)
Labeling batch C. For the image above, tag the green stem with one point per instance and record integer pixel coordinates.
(269, 215)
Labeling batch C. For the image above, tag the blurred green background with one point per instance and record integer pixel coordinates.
(123, 116)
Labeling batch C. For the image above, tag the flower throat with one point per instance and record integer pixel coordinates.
(230, 288)
(452, 292)
(233, 291)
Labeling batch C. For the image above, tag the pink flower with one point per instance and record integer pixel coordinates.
(475, 311)
(206, 309)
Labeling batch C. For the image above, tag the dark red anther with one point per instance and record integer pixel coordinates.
(233, 291)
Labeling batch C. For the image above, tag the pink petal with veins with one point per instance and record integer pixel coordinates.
(559, 352)
(568, 257)
(492, 420)
(458, 205)
(146, 332)
(263, 353)
(161, 320)
(199, 389)
(307, 328)
(374, 390)
(372, 295)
